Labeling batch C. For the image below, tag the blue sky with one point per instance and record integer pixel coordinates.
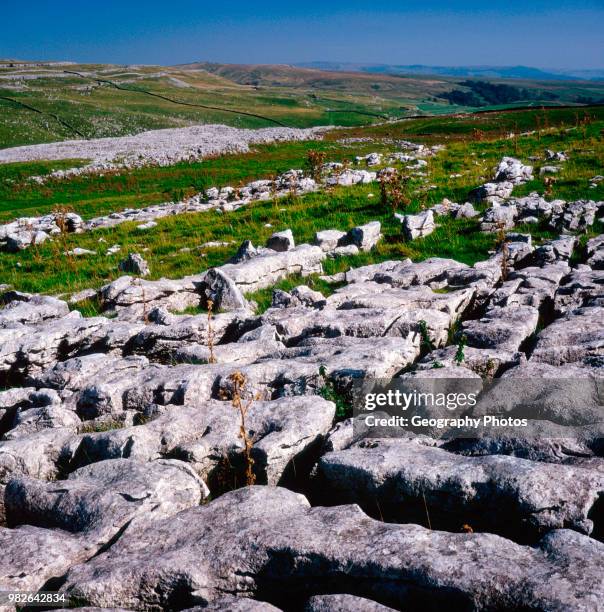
(547, 34)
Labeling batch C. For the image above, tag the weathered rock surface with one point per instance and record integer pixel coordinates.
(27, 309)
(577, 336)
(281, 241)
(266, 269)
(583, 287)
(513, 170)
(595, 253)
(101, 499)
(206, 436)
(417, 226)
(499, 217)
(504, 328)
(551, 251)
(496, 493)
(135, 264)
(329, 239)
(223, 291)
(343, 603)
(126, 420)
(239, 545)
(365, 237)
(31, 556)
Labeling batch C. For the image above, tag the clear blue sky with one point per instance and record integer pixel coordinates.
(548, 34)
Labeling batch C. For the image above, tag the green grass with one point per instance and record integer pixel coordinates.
(128, 103)
(173, 247)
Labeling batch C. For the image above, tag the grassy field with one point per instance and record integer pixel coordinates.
(173, 248)
(57, 102)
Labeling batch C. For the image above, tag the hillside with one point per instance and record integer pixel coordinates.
(488, 72)
(50, 101)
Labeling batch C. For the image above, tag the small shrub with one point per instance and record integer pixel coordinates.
(329, 392)
(211, 333)
(425, 341)
(314, 162)
(460, 353)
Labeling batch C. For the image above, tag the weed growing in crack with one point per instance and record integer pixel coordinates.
(329, 392)
(460, 352)
(238, 381)
(211, 333)
(425, 342)
(502, 243)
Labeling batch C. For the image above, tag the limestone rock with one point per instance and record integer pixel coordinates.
(328, 240)
(31, 556)
(283, 430)
(101, 499)
(135, 264)
(238, 544)
(502, 328)
(486, 492)
(418, 226)
(365, 236)
(281, 241)
(223, 291)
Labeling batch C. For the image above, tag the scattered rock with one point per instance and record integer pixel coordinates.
(365, 237)
(417, 226)
(223, 291)
(135, 264)
(281, 241)
(328, 240)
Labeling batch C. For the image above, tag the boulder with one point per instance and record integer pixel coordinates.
(101, 499)
(281, 241)
(551, 251)
(28, 309)
(348, 250)
(583, 287)
(31, 556)
(503, 328)
(517, 498)
(135, 264)
(513, 170)
(499, 218)
(417, 226)
(268, 268)
(134, 298)
(328, 240)
(465, 211)
(577, 336)
(595, 252)
(575, 216)
(365, 237)
(238, 544)
(206, 436)
(492, 192)
(223, 291)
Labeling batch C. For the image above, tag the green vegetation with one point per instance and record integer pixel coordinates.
(329, 392)
(91, 101)
(474, 145)
(483, 93)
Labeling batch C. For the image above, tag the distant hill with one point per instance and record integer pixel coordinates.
(493, 72)
(49, 101)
